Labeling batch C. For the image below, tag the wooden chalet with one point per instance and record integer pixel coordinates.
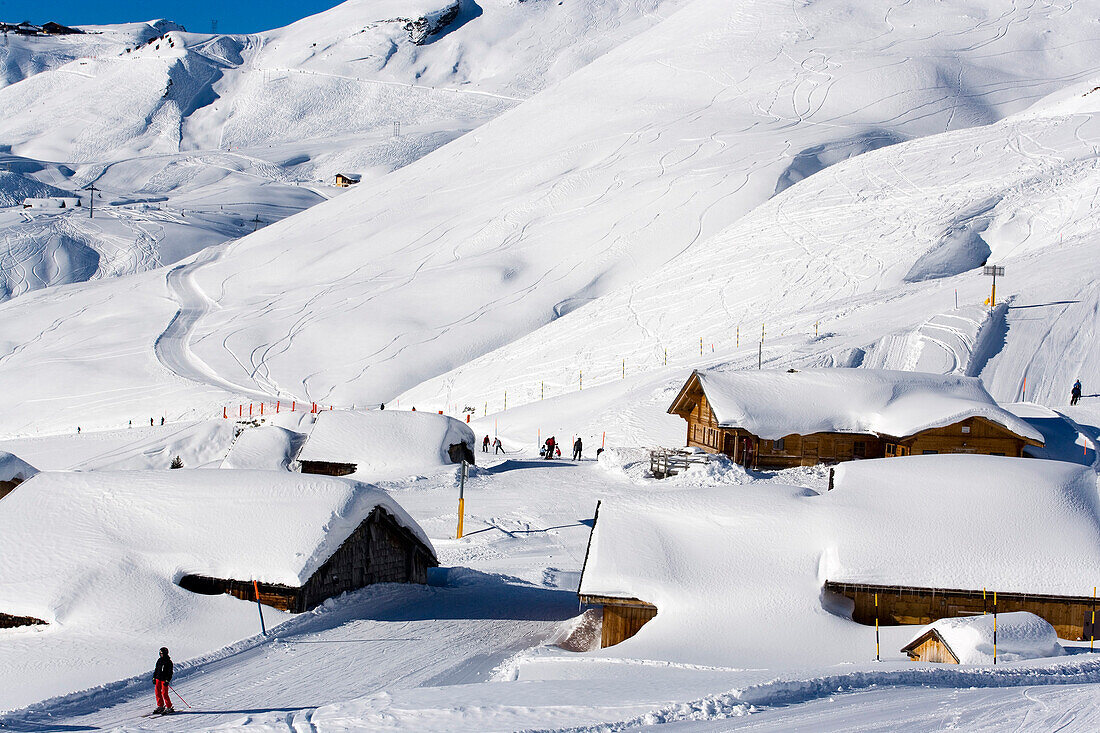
(56, 29)
(723, 414)
(380, 550)
(622, 616)
(343, 180)
(930, 647)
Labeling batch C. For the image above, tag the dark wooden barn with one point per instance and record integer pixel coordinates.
(708, 429)
(380, 550)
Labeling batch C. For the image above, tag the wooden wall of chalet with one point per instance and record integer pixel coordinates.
(932, 649)
(897, 605)
(6, 487)
(328, 468)
(8, 621)
(973, 435)
(622, 617)
(379, 551)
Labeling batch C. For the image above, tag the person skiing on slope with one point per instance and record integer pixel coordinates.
(557, 451)
(1075, 393)
(485, 445)
(162, 675)
(550, 448)
(577, 449)
(498, 447)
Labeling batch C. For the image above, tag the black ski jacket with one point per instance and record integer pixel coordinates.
(163, 670)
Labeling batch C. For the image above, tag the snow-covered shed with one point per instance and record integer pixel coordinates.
(51, 202)
(1008, 637)
(773, 418)
(384, 444)
(301, 539)
(775, 557)
(343, 180)
(13, 471)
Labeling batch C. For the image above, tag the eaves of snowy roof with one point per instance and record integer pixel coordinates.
(772, 404)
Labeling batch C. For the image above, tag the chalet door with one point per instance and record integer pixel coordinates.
(728, 444)
(827, 451)
(809, 449)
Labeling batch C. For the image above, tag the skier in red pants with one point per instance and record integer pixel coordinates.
(162, 675)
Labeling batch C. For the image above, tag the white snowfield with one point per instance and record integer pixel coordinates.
(727, 557)
(385, 444)
(774, 403)
(97, 555)
(1020, 635)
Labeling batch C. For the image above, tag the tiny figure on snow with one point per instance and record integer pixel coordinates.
(557, 451)
(577, 449)
(151, 423)
(485, 445)
(382, 406)
(414, 408)
(131, 423)
(78, 430)
(549, 454)
(498, 447)
(1075, 393)
(162, 420)
(598, 452)
(162, 675)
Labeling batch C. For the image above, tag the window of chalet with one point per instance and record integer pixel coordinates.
(779, 445)
(890, 449)
(859, 449)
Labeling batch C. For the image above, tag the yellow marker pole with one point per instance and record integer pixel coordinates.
(461, 497)
(877, 657)
(505, 399)
(542, 390)
(994, 627)
(1092, 628)
(666, 356)
(816, 324)
(580, 379)
(624, 368)
(984, 609)
(738, 337)
(700, 346)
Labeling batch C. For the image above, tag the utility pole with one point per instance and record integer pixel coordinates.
(91, 189)
(397, 128)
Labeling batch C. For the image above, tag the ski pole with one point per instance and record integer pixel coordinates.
(173, 689)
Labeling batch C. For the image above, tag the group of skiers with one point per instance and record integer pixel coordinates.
(550, 449)
(497, 446)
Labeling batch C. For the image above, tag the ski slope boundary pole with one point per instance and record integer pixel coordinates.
(259, 607)
(173, 689)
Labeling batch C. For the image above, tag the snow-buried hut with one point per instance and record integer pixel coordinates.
(971, 640)
(384, 444)
(297, 539)
(13, 471)
(779, 419)
(933, 536)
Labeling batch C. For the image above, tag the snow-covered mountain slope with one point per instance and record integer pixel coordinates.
(24, 56)
(195, 123)
(607, 178)
(861, 265)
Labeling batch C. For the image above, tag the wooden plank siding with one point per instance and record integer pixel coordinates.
(931, 648)
(973, 435)
(8, 621)
(622, 617)
(898, 605)
(379, 551)
(328, 468)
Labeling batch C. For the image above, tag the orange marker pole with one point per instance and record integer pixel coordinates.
(256, 587)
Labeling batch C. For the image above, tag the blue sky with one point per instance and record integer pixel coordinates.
(235, 16)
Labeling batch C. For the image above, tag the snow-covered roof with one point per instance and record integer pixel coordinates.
(772, 404)
(729, 556)
(14, 467)
(1020, 635)
(62, 528)
(385, 443)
